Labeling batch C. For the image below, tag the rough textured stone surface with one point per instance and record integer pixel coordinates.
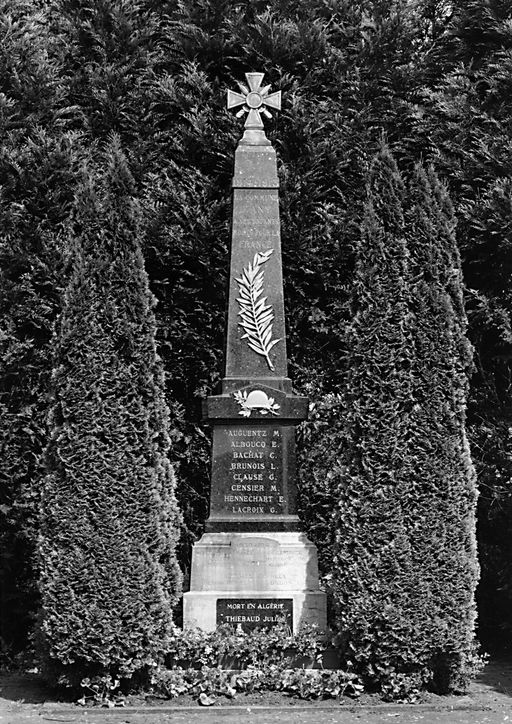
(263, 561)
(270, 565)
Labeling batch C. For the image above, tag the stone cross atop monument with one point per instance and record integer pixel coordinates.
(253, 565)
(255, 101)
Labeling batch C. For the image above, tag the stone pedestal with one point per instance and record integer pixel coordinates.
(254, 579)
(253, 567)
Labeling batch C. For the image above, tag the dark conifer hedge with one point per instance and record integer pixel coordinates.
(405, 551)
(434, 76)
(110, 523)
(39, 157)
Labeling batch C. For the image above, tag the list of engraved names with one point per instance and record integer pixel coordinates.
(252, 464)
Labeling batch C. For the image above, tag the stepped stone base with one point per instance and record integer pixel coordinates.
(252, 578)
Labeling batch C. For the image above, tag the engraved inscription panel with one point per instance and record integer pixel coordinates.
(248, 470)
(256, 238)
(251, 613)
(256, 564)
(256, 223)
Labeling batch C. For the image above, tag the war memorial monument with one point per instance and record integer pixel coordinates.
(253, 566)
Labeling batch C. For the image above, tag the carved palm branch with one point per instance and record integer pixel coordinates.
(256, 316)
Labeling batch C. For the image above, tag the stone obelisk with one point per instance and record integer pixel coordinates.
(253, 567)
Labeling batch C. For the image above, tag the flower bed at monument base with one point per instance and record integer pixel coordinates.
(230, 662)
(206, 684)
(232, 648)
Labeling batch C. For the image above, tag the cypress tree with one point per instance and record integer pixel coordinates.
(109, 527)
(405, 562)
(372, 553)
(444, 493)
(470, 125)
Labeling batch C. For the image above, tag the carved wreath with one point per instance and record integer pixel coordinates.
(256, 316)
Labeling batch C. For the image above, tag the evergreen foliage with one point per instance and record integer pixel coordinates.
(110, 522)
(405, 555)
(39, 156)
(433, 75)
(470, 124)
